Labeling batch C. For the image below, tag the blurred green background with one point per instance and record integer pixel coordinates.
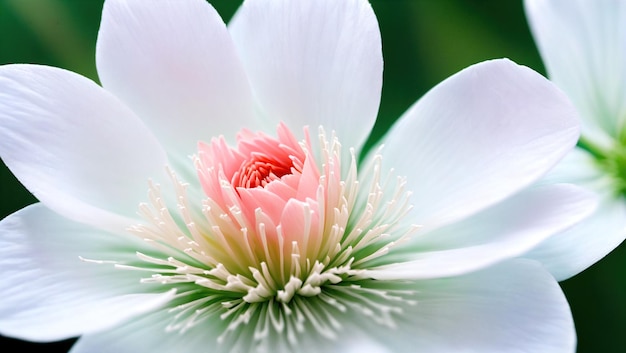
(424, 41)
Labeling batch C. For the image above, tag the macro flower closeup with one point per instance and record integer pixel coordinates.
(583, 45)
(214, 193)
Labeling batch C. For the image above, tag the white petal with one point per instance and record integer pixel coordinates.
(583, 45)
(75, 146)
(511, 307)
(478, 137)
(174, 64)
(48, 293)
(568, 253)
(503, 231)
(313, 63)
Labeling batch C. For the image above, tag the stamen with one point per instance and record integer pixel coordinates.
(234, 256)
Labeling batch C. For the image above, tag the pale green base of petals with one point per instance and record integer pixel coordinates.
(148, 334)
(513, 307)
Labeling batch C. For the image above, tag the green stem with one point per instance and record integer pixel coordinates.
(588, 146)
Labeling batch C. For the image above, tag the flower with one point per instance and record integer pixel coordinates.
(266, 227)
(583, 45)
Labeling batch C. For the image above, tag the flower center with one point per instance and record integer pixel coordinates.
(259, 171)
(612, 162)
(616, 167)
(278, 237)
(265, 160)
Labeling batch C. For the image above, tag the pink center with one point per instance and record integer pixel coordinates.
(264, 172)
(261, 170)
(265, 159)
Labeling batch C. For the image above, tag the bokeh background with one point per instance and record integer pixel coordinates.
(424, 41)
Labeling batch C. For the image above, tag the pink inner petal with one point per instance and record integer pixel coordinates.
(263, 172)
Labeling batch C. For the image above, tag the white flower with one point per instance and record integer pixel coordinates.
(282, 241)
(583, 45)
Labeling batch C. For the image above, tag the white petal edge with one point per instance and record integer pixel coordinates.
(49, 294)
(503, 231)
(174, 64)
(478, 137)
(313, 63)
(76, 147)
(569, 253)
(515, 306)
(583, 45)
